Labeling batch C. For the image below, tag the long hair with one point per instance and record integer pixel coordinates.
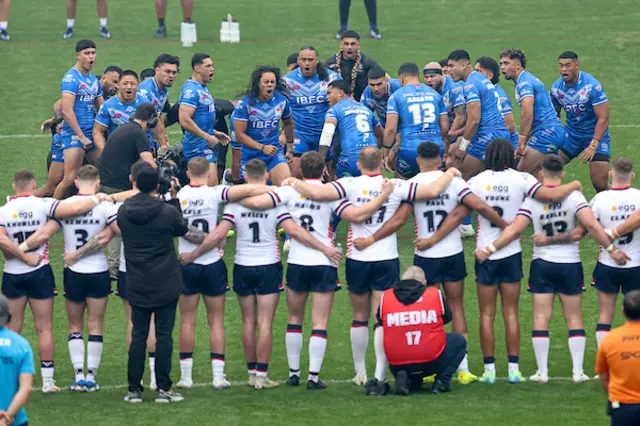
(320, 70)
(253, 90)
(499, 155)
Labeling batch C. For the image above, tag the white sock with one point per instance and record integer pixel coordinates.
(186, 368)
(577, 344)
(3, 25)
(103, 22)
(76, 353)
(490, 368)
(152, 369)
(541, 350)
(293, 341)
(381, 357)
(70, 23)
(46, 370)
(464, 364)
(217, 367)
(601, 331)
(514, 367)
(94, 354)
(317, 349)
(359, 345)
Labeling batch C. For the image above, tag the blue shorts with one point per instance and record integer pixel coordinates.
(562, 278)
(481, 141)
(121, 291)
(57, 151)
(573, 146)
(38, 284)
(493, 272)
(514, 140)
(319, 279)
(269, 160)
(611, 280)
(346, 167)
(236, 145)
(406, 164)
(207, 153)
(78, 287)
(301, 146)
(441, 269)
(72, 141)
(364, 277)
(208, 280)
(257, 280)
(547, 141)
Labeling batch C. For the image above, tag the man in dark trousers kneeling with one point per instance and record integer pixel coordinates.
(413, 315)
(154, 281)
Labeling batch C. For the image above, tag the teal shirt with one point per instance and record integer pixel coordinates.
(16, 358)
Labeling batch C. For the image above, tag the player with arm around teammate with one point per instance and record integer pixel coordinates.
(555, 269)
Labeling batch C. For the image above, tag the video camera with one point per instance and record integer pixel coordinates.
(171, 164)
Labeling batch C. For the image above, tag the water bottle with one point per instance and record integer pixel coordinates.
(225, 30)
(234, 31)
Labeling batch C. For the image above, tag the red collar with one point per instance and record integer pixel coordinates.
(196, 185)
(621, 188)
(374, 174)
(85, 195)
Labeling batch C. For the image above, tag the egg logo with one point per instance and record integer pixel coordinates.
(614, 208)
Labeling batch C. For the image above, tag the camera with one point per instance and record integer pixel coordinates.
(171, 164)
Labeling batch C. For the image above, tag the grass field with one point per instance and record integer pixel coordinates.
(32, 64)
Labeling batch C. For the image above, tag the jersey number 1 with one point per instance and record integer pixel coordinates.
(255, 227)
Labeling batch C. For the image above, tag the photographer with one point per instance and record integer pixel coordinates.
(126, 145)
(154, 280)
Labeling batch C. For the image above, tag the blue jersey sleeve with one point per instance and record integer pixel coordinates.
(100, 92)
(470, 93)
(392, 106)
(456, 96)
(331, 114)
(598, 96)
(103, 116)
(188, 97)
(286, 112)
(240, 113)
(553, 93)
(442, 107)
(525, 90)
(69, 84)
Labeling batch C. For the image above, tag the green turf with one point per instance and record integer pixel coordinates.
(32, 64)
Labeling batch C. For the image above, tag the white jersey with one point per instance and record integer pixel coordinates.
(78, 230)
(313, 216)
(552, 219)
(612, 208)
(21, 217)
(505, 191)
(256, 233)
(429, 215)
(200, 206)
(359, 190)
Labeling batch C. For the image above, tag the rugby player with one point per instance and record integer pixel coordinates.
(292, 61)
(56, 166)
(4, 19)
(257, 274)
(418, 113)
(28, 279)
(256, 122)
(71, 18)
(372, 14)
(451, 93)
(377, 93)
(375, 269)
(307, 86)
(81, 97)
(161, 11)
(207, 274)
(118, 109)
(556, 268)
(87, 284)
(540, 129)
(356, 125)
(484, 122)
(109, 81)
(587, 110)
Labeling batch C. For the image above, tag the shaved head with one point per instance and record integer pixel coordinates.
(433, 76)
(432, 65)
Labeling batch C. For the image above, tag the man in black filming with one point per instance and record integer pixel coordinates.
(154, 281)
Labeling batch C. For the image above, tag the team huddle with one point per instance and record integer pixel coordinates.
(452, 146)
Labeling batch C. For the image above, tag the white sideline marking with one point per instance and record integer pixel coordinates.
(282, 382)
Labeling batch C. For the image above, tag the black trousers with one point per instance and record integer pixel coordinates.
(443, 367)
(165, 318)
(626, 415)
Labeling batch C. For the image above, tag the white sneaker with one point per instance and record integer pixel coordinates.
(265, 383)
(153, 385)
(287, 245)
(580, 378)
(467, 231)
(360, 379)
(52, 388)
(252, 380)
(596, 377)
(184, 384)
(220, 383)
(539, 378)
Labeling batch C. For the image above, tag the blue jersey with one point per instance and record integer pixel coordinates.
(86, 88)
(114, 112)
(578, 102)
(150, 93)
(196, 96)
(452, 96)
(17, 359)
(355, 124)
(263, 117)
(308, 96)
(506, 107)
(544, 115)
(379, 105)
(419, 108)
(478, 88)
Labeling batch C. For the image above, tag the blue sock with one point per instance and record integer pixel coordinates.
(467, 220)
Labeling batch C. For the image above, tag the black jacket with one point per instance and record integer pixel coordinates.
(148, 226)
(409, 291)
(346, 68)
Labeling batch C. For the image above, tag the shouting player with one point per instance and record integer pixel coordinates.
(540, 129)
(377, 93)
(81, 97)
(587, 109)
(307, 86)
(418, 113)
(451, 93)
(256, 122)
(556, 268)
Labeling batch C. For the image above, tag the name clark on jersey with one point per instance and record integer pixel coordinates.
(403, 319)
